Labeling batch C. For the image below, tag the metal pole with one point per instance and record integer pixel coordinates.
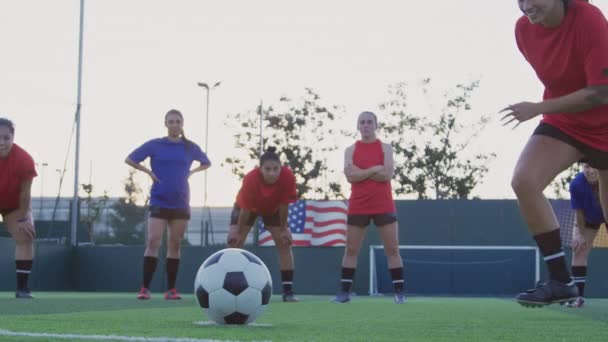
(74, 227)
(206, 144)
(42, 166)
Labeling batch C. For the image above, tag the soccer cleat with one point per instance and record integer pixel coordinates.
(172, 294)
(289, 297)
(24, 294)
(143, 294)
(547, 293)
(341, 298)
(579, 302)
(399, 298)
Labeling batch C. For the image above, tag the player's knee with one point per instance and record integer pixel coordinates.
(153, 243)
(351, 251)
(391, 251)
(174, 243)
(522, 183)
(23, 240)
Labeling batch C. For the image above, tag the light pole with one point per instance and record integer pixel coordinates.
(208, 93)
(42, 167)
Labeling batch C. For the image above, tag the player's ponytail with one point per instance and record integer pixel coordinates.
(270, 154)
(8, 124)
(187, 142)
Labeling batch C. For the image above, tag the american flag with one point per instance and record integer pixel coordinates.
(312, 224)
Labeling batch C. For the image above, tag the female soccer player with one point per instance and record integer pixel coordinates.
(566, 43)
(369, 167)
(584, 197)
(267, 191)
(17, 170)
(170, 158)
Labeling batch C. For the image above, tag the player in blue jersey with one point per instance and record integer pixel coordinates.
(170, 159)
(584, 197)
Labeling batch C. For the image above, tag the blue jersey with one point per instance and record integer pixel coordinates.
(170, 162)
(582, 197)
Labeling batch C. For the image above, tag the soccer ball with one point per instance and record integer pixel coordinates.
(233, 286)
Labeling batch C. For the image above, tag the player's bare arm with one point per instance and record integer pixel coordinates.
(388, 170)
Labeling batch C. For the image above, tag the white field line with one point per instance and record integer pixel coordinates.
(105, 337)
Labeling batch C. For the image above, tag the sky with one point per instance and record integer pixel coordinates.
(142, 58)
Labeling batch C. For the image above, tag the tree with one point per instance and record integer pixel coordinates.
(95, 208)
(126, 218)
(302, 131)
(561, 184)
(429, 153)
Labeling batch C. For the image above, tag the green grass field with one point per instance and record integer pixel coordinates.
(313, 319)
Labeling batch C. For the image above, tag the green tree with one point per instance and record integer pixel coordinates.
(127, 219)
(561, 184)
(95, 208)
(302, 132)
(430, 158)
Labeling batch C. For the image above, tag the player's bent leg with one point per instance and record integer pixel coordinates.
(286, 263)
(543, 158)
(24, 253)
(580, 256)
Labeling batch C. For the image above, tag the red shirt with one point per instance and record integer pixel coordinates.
(369, 197)
(15, 169)
(264, 199)
(568, 58)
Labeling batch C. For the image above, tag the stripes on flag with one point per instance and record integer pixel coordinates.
(312, 224)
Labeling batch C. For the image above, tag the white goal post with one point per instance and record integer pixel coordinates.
(373, 281)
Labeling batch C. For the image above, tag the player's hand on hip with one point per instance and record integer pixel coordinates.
(519, 113)
(154, 178)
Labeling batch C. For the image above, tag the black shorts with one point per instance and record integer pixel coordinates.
(364, 220)
(170, 213)
(269, 221)
(594, 226)
(595, 158)
(5, 212)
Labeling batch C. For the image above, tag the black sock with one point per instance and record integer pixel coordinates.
(172, 268)
(287, 280)
(550, 245)
(347, 279)
(580, 278)
(397, 276)
(149, 268)
(23, 268)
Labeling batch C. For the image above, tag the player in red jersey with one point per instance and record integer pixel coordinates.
(566, 43)
(17, 170)
(369, 167)
(267, 191)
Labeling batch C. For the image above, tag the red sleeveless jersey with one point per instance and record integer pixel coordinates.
(368, 196)
(568, 58)
(15, 169)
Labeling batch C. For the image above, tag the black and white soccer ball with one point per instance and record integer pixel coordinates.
(233, 286)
